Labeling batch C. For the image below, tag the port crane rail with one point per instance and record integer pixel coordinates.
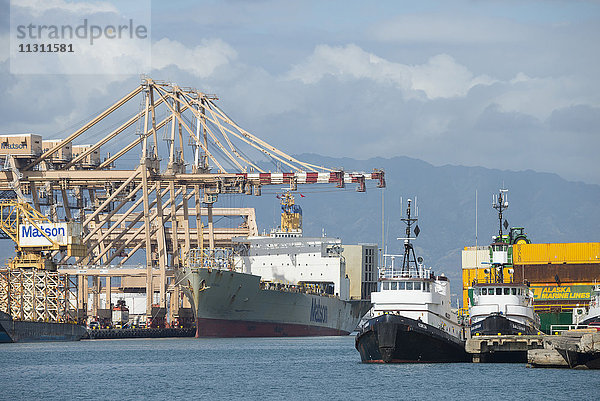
(158, 210)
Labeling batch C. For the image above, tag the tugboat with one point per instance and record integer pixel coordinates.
(413, 320)
(592, 316)
(500, 306)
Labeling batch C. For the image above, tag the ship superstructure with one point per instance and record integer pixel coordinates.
(281, 284)
(412, 316)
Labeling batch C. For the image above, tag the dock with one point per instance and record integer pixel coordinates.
(503, 348)
(579, 349)
(139, 333)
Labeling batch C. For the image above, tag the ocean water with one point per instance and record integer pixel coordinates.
(318, 368)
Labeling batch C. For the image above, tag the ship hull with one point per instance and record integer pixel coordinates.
(500, 325)
(398, 339)
(232, 304)
(592, 320)
(27, 331)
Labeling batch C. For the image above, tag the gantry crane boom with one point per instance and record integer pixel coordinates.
(161, 210)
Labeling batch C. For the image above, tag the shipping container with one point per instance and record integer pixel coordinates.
(563, 253)
(558, 273)
(475, 257)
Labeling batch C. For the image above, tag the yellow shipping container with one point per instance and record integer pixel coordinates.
(570, 253)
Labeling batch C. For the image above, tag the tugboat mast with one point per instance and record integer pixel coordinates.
(500, 203)
(409, 252)
(499, 247)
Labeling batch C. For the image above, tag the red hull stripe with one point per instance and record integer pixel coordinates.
(237, 328)
(400, 361)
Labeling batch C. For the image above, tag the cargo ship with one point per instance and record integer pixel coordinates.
(412, 318)
(281, 284)
(32, 331)
(498, 305)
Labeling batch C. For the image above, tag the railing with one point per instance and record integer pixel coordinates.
(391, 271)
(216, 258)
(299, 288)
(557, 329)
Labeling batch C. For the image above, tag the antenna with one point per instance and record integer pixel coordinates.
(382, 227)
(401, 208)
(416, 208)
(500, 203)
(409, 252)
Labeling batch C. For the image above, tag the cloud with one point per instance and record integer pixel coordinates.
(539, 97)
(201, 60)
(4, 46)
(432, 28)
(39, 7)
(440, 77)
(577, 118)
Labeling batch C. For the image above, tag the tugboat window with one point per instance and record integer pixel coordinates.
(386, 286)
(507, 291)
(409, 285)
(490, 291)
(401, 285)
(484, 291)
(417, 286)
(498, 291)
(394, 285)
(514, 291)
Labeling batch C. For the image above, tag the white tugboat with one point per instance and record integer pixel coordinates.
(591, 316)
(501, 307)
(412, 316)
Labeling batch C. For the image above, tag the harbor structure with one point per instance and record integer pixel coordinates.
(145, 219)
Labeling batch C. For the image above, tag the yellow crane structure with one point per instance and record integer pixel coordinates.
(18, 218)
(171, 153)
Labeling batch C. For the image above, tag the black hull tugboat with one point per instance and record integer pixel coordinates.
(499, 306)
(396, 339)
(496, 324)
(412, 319)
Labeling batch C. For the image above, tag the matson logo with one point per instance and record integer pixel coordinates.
(30, 235)
(6, 145)
(318, 312)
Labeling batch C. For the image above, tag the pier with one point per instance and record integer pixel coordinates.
(140, 333)
(578, 349)
(503, 348)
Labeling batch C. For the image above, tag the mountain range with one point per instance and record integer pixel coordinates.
(550, 208)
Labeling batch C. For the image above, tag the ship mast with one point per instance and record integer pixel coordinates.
(500, 203)
(499, 247)
(409, 252)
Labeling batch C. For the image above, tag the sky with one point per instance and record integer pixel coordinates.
(500, 84)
